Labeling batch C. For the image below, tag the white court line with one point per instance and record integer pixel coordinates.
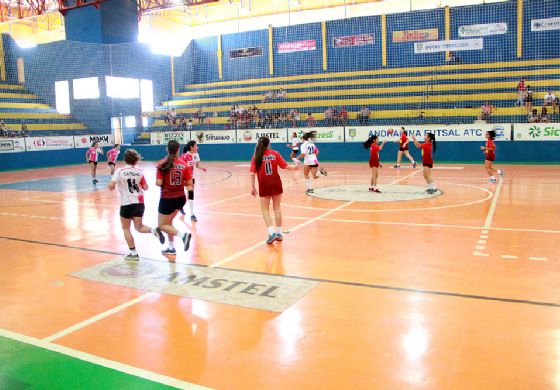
(99, 317)
(538, 258)
(484, 236)
(111, 364)
(482, 242)
(476, 253)
(488, 222)
(509, 257)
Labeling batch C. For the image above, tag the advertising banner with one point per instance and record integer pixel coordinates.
(35, 144)
(85, 141)
(477, 30)
(163, 138)
(251, 136)
(353, 40)
(246, 52)
(324, 134)
(12, 145)
(474, 132)
(214, 136)
(430, 34)
(545, 24)
(290, 47)
(536, 131)
(455, 45)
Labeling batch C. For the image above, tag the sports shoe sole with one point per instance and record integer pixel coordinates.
(160, 236)
(187, 241)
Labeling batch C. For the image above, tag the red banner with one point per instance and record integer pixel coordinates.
(353, 40)
(290, 47)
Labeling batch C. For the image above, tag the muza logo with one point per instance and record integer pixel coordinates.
(99, 138)
(39, 143)
(200, 137)
(535, 131)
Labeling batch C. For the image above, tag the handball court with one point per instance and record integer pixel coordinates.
(453, 291)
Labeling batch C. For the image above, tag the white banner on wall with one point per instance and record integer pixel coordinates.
(536, 131)
(12, 145)
(85, 141)
(163, 138)
(473, 132)
(324, 134)
(477, 30)
(545, 24)
(214, 136)
(251, 136)
(35, 144)
(455, 45)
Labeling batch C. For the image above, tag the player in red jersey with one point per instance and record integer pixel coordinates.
(374, 148)
(112, 156)
(191, 157)
(92, 155)
(490, 155)
(131, 184)
(403, 149)
(428, 147)
(173, 175)
(264, 166)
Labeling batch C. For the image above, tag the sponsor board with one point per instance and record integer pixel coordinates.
(12, 145)
(477, 30)
(545, 24)
(34, 144)
(536, 131)
(214, 136)
(353, 40)
(251, 136)
(324, 134)
(454, 45)
(259, 291)
(158, 138)
(430, 34)
(85, 141)
(290, 47)
(246, 52)
(473, 132)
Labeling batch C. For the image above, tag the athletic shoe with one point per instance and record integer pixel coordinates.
(414, 164)
(182, 211)
(169, 251)
(95, 181)
(370, 189)
(323, 171)
(376, 190)
(309, 191)
(396, 166)
(187, 241)
(131, 257)
(156, 232)
(500, 172)
(279, 237)
(271, 238)
(431, 191)
(493, 181)
(193, 218)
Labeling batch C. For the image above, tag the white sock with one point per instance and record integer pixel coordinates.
(172, 244)
(493, 177)
(133, 251)
(279, 230)
(432, 186)
(270, 230)
(309, 183)
(191, 206)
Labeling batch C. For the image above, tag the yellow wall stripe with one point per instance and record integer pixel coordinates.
(519, 28)
(219, 54)
(384, 40)
(2, 61)
(447, 28)
(270, 52)
(324, 31)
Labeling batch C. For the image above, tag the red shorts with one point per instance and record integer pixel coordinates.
(428, 165)
(270, 189)
(403, 149)
(373, 163)
(490, 158)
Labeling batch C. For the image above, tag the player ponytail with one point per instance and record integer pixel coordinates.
(432, 138)
(262, 145)
(131, 156)
(189, 146)
(172, 148)
(310, 135)
(404, 131)
(370, 141)
(492, 134)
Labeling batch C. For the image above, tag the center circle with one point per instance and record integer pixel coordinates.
(361, 193)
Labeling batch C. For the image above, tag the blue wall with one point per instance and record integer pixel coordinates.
(305, 62)
(248, 67)
(540, 44)
(206, 60)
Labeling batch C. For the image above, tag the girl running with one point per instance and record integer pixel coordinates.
(92, 155)
(490, 155)
(112, 156)
(309, 154)
(403, 149)
(191, 157)
(264, 165)
(294, 144)
(428, 147)
(374, 148)
(173, 175)
(132, 184)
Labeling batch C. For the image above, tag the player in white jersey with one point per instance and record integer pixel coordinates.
(132, 184)
(294, 145)
(191, 157)
(309, 153)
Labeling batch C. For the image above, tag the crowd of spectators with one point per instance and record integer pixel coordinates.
(274, 95)
(6, 132)
(526, 99)
(185, 122)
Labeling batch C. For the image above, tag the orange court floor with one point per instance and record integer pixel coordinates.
(457, 291)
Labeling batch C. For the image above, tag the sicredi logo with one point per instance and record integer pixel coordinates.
(535, 131)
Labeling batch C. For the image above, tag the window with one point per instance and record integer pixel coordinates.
(122, 87)
(129, 121)
(62, 94)
(87, 88)
(147, 95)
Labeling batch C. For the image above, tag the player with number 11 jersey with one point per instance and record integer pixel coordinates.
(269, 180)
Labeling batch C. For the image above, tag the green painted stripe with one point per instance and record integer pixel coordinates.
(25, 366)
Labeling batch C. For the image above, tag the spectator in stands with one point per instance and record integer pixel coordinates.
(268, 96)
(311, 122)
(529, 97)
(344, 116)
(281, 94)
(453, 59)
(292, 118)
(329, 116)
(521, 92)
(533, 116)
(200, 115)
(24, 130)
(544, 116)
(363, 116)
(550, 100)
(190, 124)
(336, 116)
(297, 117)
(486, 112)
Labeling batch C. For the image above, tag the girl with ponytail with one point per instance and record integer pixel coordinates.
(309, 153)
(428, 148)
(489, 151)
(264, 165)
(374, 148)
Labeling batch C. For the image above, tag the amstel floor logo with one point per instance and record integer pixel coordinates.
(535, 131)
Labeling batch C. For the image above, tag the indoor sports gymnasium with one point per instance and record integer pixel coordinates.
(280, 194)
